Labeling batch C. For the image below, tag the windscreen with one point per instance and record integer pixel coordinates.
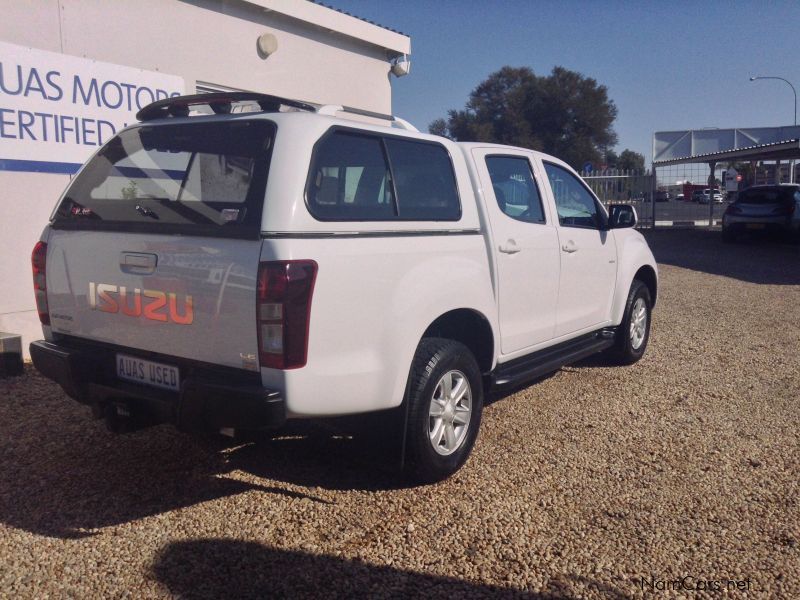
(198, 178)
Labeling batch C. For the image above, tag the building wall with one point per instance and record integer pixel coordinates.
(207, 41)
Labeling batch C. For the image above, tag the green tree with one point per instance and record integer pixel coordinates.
(438, 127)
(611, 159)
(630, 161)
(564, 114)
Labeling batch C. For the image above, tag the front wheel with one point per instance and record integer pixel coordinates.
(634, 332)
(445, 403)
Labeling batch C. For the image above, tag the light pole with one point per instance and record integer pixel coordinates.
(794, 91)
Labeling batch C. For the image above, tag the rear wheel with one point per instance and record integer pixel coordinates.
(634, 332)
(445, 403)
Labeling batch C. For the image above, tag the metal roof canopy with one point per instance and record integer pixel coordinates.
(707, 145)
(783, 150)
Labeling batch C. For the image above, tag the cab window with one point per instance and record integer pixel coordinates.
(575, 204)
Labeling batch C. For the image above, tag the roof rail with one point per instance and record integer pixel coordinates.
(219, 102)
(332, 109)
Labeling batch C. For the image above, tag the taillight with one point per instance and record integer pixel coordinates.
(283, 312)
(39, 266)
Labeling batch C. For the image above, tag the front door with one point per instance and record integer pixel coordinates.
(525, 246)
(588, 254)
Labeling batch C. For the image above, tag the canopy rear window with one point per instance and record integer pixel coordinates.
(198, 178)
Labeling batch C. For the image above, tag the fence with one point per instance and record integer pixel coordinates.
(616, 186)
(661, 203)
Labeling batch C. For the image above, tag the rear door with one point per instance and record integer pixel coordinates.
(525, 248)
(588, 254)
(155, 245)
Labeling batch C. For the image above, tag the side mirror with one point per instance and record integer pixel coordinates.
(621, 216)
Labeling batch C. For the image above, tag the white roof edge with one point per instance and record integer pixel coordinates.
(333, 20)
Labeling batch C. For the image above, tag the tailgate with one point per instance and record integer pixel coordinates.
(193, 298)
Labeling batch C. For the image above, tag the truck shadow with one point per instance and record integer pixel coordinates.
(755, 260)
(325, 457)
(64, 475)
(222, 568)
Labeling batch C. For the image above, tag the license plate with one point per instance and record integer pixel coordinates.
(755, 226)
(156, 374)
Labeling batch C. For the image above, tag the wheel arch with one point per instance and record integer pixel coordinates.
(647, 275)
(470, 328)
(635, 261)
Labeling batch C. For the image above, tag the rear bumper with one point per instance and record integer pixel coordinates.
(774, 224)
(757, 220)
(209, 398)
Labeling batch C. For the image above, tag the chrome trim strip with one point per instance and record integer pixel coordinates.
(368, 234)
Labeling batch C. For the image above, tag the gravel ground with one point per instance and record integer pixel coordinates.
(580, 486)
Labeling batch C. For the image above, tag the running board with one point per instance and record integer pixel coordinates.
(531, 366)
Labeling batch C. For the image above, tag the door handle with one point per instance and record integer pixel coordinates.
(138, 263)
(509, 247)
(570, 247)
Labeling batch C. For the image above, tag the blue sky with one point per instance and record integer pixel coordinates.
(667, 65)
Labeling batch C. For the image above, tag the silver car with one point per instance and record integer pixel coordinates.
(763, 208)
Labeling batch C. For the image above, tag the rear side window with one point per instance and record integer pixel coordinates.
(425, 182)
(203, 179)
(515, 189)
(358, 177)
(351, 180)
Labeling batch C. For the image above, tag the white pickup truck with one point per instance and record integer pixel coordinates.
(237, 269)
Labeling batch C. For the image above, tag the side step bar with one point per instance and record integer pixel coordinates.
(527, 368)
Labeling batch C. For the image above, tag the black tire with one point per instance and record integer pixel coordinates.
(728, 237)
(435, 358)
(623, 351)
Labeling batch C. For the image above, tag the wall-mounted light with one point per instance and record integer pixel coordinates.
(401, 66)
(266, 44)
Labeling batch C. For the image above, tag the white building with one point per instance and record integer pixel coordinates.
(74, 71)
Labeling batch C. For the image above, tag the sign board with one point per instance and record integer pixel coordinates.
(56, 109)
(732, 179)
(587, 167)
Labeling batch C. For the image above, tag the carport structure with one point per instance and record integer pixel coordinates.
(718, 146)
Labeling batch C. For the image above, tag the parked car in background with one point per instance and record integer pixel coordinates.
(706, 196)
(662, 196)
(765, 209)
(680, 198)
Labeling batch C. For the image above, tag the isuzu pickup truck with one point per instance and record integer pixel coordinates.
(273, 260)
